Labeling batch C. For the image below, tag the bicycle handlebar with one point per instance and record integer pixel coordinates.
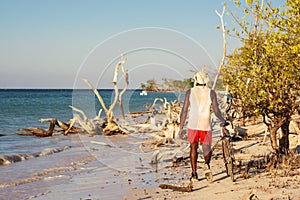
(223, 124)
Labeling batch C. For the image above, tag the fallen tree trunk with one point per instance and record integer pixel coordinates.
(39, 132)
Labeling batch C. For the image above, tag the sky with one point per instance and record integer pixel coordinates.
(57, 43)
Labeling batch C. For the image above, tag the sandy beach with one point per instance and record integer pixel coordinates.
(256, 185)
(101, 167)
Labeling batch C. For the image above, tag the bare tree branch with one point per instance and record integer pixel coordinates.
(224, 46)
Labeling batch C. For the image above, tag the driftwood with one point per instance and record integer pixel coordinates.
(177, 161)
(89, 125)
(172, 121)
(165, 127)
(39, 132)
(188, 188)
(68, 127)
(101, 143)
(251, 196)
(170, 124)
(109, 126)
(164, 102)
(125, 73)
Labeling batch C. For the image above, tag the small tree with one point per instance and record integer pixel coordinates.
(152, 85)
(263, 74)
(143, 86)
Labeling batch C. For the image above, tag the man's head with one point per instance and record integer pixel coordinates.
(201, 78)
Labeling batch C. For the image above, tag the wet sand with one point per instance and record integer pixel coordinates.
(93, 168)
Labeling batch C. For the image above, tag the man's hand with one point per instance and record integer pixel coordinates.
(181, 133)
(224, 123)
(225, 132)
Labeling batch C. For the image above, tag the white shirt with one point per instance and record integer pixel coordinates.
(200, 104)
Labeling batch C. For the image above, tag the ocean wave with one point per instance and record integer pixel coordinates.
(9, 159)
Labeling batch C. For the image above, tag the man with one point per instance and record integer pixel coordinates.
(200, 99)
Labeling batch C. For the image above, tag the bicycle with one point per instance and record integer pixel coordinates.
(226, 138)
(227, 149)
(228, 155)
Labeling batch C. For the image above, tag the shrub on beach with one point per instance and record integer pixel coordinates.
(263, 74)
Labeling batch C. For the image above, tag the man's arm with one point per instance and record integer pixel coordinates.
(215, 106)
(184, 112)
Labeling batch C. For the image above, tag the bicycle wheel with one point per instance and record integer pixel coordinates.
(228, 160)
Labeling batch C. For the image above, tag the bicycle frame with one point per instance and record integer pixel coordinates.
(227, 152)
(228, 156)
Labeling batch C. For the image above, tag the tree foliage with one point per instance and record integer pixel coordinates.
(177, 85)
(168, 85)
(264, 73)
(151, 85)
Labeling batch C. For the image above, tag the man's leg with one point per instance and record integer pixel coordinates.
(194, 156)
(206, 153)
(207, 156)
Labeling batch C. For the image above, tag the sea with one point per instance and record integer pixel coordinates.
(78, 166)
(23, 108)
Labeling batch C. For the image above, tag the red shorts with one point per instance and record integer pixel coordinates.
(204, 137)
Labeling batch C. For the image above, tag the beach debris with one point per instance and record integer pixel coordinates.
(170, 152)
(251, 195)
(39, 132)
(163, 123)
(109, 126)
(179, 160)
(188, 188)
(284, 165)
(163, 119)
(101, 143)
(91, 126)
(125, 73)
(67, 127)
(171, 121)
